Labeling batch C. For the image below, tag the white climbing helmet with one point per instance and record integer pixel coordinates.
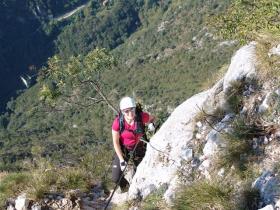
(127, 102)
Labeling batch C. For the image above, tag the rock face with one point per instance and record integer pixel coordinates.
(166, 154)
(242, 66)
(172, 152)
(21, 203)
(268, 185)
(168, 140)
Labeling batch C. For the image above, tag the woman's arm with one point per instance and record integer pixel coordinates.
(151, 119)
(116, 143)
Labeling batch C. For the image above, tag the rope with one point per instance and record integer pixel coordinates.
(122, 174)
(165, 154)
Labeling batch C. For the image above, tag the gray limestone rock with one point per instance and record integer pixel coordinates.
(243, 65)
(268, 207)
(268, 185)
(21, 202)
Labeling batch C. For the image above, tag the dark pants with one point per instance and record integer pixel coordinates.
(136, 159)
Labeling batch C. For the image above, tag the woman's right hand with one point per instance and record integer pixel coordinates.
(123, 165)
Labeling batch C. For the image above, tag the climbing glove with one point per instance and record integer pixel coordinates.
(151, 127)
(123, 165)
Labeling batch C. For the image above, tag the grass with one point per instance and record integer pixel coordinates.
(235, 153)
(11, 185)
(251, 198)
(211, 117)
(154, 201)
(268, 65)
(215, 77)
(234, 96)
(239, 151)
(59, 180)
(244, 20)
(42, 178)
(124, 206)
(204, 195)
(73, 178)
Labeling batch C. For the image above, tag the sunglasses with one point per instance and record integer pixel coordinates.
(126, 111)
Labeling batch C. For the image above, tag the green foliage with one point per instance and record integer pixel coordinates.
(79, 71)
(64, 136)
(245, 19)
(268, 64)
(251, 198)
(11, 185)
(238, 150)
(99, 165)
(42, 177)
(169, 56)
(47, 94)
(69, 128)
(204, 195)
(45, 177)
(79, 80)
(154, 201)
(106, 27)
(42, 182)
(235, 154)
(72, 178)
(234, 96)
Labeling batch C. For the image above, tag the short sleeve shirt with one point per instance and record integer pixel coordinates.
(127, 137)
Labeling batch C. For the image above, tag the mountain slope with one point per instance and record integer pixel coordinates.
(179, 59)
(24, 43)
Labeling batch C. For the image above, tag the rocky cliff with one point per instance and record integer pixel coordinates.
(195, 143)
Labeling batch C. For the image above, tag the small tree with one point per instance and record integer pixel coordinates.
(74, 81)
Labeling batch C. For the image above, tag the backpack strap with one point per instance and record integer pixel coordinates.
(140, 129)
(121, 122)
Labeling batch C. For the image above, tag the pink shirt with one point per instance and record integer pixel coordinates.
(127, 137)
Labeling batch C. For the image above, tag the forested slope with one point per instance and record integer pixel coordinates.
(167, 42)
(24, 42)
